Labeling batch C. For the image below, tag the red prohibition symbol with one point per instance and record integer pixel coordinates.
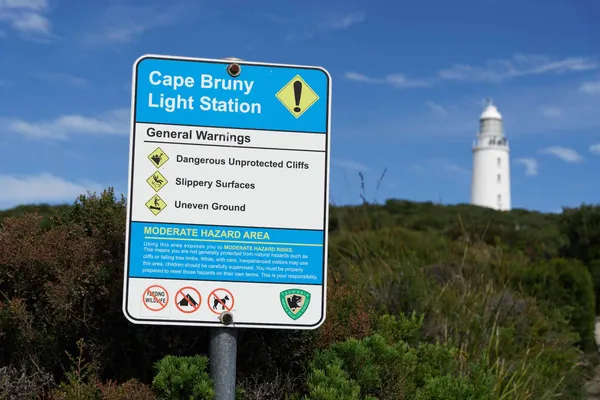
(188, 300)
(155, 298)
(220, 300)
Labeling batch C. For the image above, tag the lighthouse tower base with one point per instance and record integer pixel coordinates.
(490, 185)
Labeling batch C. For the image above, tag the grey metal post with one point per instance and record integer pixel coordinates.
(222, 367)
(223, 341)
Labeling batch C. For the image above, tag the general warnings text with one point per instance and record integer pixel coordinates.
(199, 135)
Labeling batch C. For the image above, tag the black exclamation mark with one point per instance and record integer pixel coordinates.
(297, 95)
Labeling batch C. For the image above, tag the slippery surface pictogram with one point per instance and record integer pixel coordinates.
(157, 181)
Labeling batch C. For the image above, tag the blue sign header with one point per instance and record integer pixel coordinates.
(194, 92)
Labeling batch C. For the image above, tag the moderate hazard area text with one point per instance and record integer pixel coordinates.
(207, 233)
(230, 254)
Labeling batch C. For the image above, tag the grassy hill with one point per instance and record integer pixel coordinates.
(424, 302)
(44, 210)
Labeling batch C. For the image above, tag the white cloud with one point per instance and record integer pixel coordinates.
(531, 165)
(395, 80)
(61, 78)
(304, 27)
(491, 71)
(350, 165)
(28, 17)
(123, 23)
(580, 115)
(453, 167)
(564, 153)
(437, 108)
(595, 149)
(435, 165)
(590, 87)
(551, 112)
(339, 22)
(417, 168)
(115, 122)
(518, 65)
(355, 76)
(41, 188)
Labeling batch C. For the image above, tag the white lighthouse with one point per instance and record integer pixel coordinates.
(490, 185)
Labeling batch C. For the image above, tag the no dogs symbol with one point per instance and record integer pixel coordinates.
(220, 300)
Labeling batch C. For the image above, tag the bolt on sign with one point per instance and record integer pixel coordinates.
(228, 193)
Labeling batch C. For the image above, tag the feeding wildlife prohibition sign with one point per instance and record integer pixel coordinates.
(216, 149)
(155, 298)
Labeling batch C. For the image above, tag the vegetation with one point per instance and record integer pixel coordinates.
(425, 302)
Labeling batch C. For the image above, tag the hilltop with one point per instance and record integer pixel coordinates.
(431, 301)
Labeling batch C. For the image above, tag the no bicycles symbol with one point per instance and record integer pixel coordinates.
(155, 298)
(188, 300)
(220, 300)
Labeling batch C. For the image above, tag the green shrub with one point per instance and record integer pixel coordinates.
(183, 378)
(448, 387)
(331, 382)
(130, 390)
(348, 313)
(82, 382)
(479, 318)
(565, 284)
(468, 287)
(81, 379)
(375, 369)
(400, 328)
(380, 370)
(385, 266)
(46, 211)
(96, 390)
(581, 227)
(595, 273)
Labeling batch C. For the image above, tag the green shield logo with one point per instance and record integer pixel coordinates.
(294, 302)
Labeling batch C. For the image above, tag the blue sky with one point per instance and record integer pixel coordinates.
(409, 80)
